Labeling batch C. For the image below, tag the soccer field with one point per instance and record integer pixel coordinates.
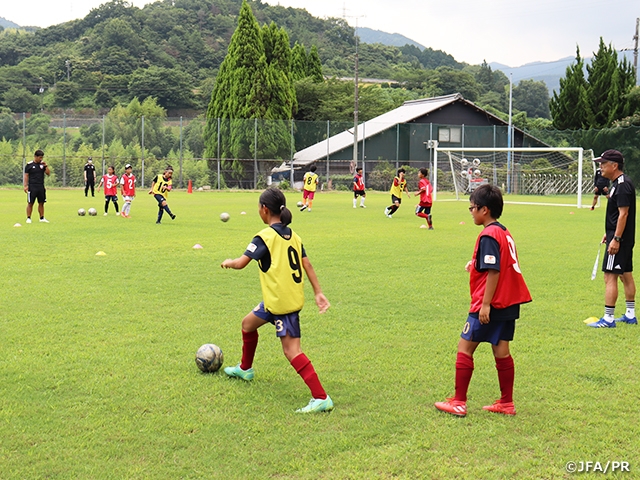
(98, 378)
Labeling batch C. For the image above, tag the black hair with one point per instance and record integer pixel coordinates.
(276, 202)
(313, 168)
(359, 169)
(401, 170)
(169, 167)
(488, 196)
(424, 172)
(38, 153)
(111, 166)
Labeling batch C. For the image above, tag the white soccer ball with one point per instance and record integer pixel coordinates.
(82, 212)
(464, 162)
(209, 358)
(93, 212)
(464, 174)
(224, 217)
(477, 173)
(476, 162)
(299, 204)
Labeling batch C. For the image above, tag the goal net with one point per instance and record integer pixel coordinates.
(562, 174)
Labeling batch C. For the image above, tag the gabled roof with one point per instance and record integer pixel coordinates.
(405, 113)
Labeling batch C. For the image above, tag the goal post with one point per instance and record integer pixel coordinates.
(541, 171)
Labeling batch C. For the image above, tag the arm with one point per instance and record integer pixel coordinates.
(46, 169)
(490, 290)
(614, 245)
(84, 174)
(25, 182)
(237, 263)
(153, 184)
(101, 182)
(406, 189)
(321, 300)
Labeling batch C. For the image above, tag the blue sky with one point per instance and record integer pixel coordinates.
(512, 32)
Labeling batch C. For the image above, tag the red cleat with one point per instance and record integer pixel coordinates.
(499, 407)
(452, 406)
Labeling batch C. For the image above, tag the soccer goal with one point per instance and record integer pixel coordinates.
(553, 172)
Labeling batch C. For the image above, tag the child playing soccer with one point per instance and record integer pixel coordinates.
(127, 189)
(600, 186)
(358, 188)
(281, 258)
(497, 290)
(423, 209)
(397, 187)
(160, 188)
(110, 181)
(310, 181)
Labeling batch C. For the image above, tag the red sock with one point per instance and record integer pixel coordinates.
(305, 369)
(422, 215)
(249, 345)
(464, 371)
(506, 376)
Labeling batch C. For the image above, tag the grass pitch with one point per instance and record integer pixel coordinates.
(97, 353)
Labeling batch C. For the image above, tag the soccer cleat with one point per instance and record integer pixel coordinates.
(238, 372)
(28, 220)
(452, 406)
(303, 208)
(122, 214)
(386, 211)
(430, 228)
(507, 408)
(44, 220)
(173, 217)
(355, 206)
(602, 323)
(105, 214)
(158, 223)
(363, 206)
(317, 405)
(625, 319)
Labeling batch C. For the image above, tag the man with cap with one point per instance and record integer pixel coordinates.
(33, 183)
(89, 177)
(620, 230)
(127, 189)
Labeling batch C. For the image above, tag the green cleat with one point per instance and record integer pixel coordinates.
(238, 372)
(317, 405)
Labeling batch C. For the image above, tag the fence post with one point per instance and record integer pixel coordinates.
(397, 144)
(328, 134)
(181, 152)
(24, 141)
(255, 154)
(364, 136)
(218, 154)
(103, 170)
(142, 152)
(64, 149)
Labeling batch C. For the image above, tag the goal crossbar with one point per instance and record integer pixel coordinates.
(579, 150)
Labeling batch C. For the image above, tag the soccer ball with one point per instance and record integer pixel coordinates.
(224, 217)
(81, 212)
(300, 204)
(209, 358)
(476, 162)
(93, 212)
(464, 162)
(477, 173)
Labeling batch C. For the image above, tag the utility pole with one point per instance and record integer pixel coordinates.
(355, 109)
(635, 50)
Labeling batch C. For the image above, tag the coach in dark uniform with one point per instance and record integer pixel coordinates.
(33, 183)
(620, 232)
(89, 177)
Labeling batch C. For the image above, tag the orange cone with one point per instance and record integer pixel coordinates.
(190, 187)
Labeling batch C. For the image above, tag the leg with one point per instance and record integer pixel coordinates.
(41, 209)
(610, 293)
(629, 286)
(160, 212)
(115, 204)
(29, 209)
(167, 209)
(106, 206)
(595, 201)
(302, 365)
(92, 190)
(250, 325)
(464, 368)
(506, 376)
(362, 197)
(86, 188)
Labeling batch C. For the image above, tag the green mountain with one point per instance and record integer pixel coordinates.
(4, 23)
(368, 35)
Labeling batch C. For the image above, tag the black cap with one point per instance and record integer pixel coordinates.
(610, 156)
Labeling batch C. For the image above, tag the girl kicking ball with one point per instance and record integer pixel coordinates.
(281, 259)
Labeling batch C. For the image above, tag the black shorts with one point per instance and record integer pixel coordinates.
(36, 193)
(423, 209)
(159, 198)
(395, 199)
(621, 262)
(357, 193)
(600, 191)
(113, 198)
(491, 332)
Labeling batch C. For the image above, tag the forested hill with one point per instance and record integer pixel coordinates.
(173, 48)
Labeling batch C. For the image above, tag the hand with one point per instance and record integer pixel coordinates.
(26, 189)
(150, 192)
(484, 314)
(605, 190)
(614, 247)
(322, 302)
(604, 238)
(228, 263)
(467, 267)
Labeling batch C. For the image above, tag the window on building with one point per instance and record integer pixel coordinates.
(450, 135)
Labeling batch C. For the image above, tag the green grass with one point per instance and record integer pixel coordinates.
(98, 378)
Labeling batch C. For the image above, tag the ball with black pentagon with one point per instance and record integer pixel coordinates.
(209, 358)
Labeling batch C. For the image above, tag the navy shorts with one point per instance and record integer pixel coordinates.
(159, 198)
(423, 209)
(491, 332)
(113, 198)
(621, 262)
(395, 199)
(357, 193)
(34, 194)
(287, 324)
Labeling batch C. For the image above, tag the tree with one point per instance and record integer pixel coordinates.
(532, 97)
(20, 100)
(314, 65)
(8, 127)
(570, 108)
(66, 93)
(172, 87)
(298, 62)
(603, 90)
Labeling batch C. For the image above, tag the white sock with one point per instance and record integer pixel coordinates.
(354, 203)
(631, 309)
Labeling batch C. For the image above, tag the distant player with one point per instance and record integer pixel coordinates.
(281, 259)
(33, 183)
(127, 189)
(600, 186)
(110, 182)
(397, 187)
(497, 291)
(358, 188)
(310, 181)
(160, 188)
(423, 209)
(89, 177)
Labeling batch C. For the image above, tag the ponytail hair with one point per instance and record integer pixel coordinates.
(276, 202)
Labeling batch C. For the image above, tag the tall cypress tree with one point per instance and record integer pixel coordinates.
(298, 62)
(314, 65)
(570, 107)
(604, 85)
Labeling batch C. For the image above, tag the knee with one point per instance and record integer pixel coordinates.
(291, 351)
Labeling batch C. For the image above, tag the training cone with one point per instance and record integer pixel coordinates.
(190, 187)
(17, 225)
(197, 246)
(101, 253)
(591, 320)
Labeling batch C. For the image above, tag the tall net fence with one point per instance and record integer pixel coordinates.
(256, 153)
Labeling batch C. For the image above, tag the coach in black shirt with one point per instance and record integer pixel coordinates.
(620, 232)
(33, 183)
(89, 177)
